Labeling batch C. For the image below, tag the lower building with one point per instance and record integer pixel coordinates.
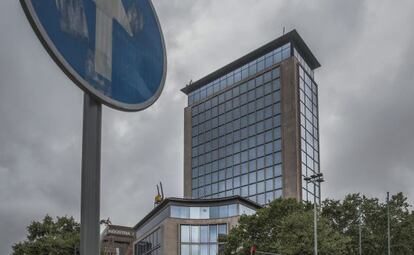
(189, 226)
(117, 240)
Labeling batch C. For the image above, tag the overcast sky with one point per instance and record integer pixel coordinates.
(366, 105)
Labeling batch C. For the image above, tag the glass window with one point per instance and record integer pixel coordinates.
(245, 191)
(261, 199)
(278, 170)
(204, 213)
(214, 212)
(269, 185)
(233, 210)
(185, 249)
(195, 249)
(236, 182)
(260, 187)
(252, 189)
(195, 212)
(278, 145)
(204, 249)
(213, 233)
(244, 180)
(229, 184)
(213, 249)
(260, 175)
(204, 234)
(224, 211)
(278, 183)
(269, 197)
(222, 229)
(252, 177)
(195, 234)
(185, 233)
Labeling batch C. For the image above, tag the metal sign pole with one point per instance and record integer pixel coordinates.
(91, 176)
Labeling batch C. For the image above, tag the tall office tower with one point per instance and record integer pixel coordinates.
(251, 127)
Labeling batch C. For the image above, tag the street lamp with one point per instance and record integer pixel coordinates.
(315, 179)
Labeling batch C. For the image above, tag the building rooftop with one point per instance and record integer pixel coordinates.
(293, 37)
(197, 202)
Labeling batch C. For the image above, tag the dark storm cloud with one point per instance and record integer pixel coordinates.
(365, 105)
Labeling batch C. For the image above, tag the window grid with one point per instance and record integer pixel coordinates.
(241, 73)
(308, 94)
(235, 134)
(201, 239)
(150, 245)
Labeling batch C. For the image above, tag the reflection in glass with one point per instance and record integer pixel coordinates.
(195, 249)
(222, 229)
(185, 249)
(204, 249)
(213, 249)
(204, 234)
(185, 233)
(194, 212)
(204, 213)
(195, 234)
(233, 210)
(223, 211)
(213, 233)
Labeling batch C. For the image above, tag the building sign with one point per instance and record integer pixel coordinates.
(113, 49)
(119, 232)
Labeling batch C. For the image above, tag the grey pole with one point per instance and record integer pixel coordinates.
(315, 178)
(388, 223)
(91, 176)
(360, 230)
(315, 219)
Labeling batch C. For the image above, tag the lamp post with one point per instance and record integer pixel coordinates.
(388, 225)
(315, 179)
(359, 231)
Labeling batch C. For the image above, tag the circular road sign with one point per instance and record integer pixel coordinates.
(113, 49)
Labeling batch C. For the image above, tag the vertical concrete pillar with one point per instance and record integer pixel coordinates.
(290, 108)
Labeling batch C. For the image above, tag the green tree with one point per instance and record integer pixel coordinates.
(285, 226)
(51, 237)
(344, 216)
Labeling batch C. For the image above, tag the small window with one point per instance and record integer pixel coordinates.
(213, 233)
(185, 233)
(233, 210)
(185, 249)
(224, 211)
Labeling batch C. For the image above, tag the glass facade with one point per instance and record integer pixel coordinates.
(201, 239)
(241, 73)
(195, 212)
(236, 141)
(308, 93)
(150, 245)
(236, 131)
(303, 63)
(213, 212)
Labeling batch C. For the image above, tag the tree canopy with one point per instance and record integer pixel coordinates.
(51, 237)
(285, 226)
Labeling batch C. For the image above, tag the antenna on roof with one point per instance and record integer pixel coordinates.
(158, 197)
(162, 191)
(284, 30)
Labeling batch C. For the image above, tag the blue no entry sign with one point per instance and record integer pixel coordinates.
(113, 49)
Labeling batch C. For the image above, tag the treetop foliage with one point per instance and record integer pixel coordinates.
(285, 226)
